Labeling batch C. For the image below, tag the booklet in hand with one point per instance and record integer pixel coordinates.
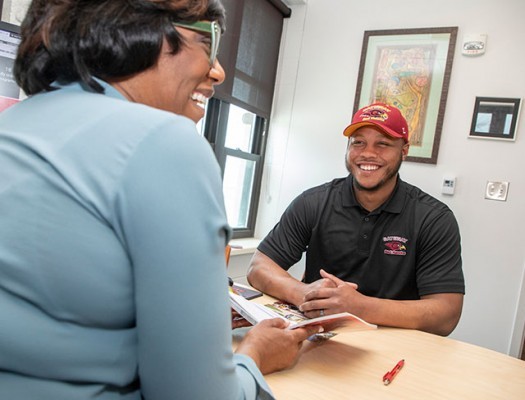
(255, 313)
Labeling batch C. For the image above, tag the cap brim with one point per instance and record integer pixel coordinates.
(350, 129)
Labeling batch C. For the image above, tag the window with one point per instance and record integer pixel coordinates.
(239, 165)
(238, 137)
(237, 118)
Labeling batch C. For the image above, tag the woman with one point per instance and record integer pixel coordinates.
(112, 227)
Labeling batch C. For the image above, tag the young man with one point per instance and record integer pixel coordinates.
(375, 246)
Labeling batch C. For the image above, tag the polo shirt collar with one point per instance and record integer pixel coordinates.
(393, 205)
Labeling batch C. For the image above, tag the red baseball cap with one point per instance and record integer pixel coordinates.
(387, 118)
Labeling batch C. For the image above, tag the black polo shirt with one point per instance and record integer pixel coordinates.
(407, 248)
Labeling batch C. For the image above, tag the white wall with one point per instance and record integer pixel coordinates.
(314, 98)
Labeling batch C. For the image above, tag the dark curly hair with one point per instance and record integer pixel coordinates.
(76, 40)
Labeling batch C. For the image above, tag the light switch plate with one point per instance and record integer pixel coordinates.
(497, 190)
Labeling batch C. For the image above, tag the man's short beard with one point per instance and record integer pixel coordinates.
(381, 183)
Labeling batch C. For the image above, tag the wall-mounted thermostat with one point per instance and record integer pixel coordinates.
(449, 185)
(474, 45)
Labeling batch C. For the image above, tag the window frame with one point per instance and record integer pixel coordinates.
(215, 130)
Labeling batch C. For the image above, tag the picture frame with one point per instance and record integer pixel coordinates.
(495, 118)
(409, 69)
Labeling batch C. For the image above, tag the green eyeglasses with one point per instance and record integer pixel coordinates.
(211, 27)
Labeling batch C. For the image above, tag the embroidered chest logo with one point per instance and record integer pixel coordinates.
(395, 245)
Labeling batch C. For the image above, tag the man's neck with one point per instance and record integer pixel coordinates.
(371, 200)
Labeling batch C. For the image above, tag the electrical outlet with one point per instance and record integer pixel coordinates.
(497, 190)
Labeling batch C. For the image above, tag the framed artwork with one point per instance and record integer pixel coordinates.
(410, 69)
(495, 118)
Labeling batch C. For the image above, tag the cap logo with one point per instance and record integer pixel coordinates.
(377, 113)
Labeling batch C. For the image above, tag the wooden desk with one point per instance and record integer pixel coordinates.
(351, 366)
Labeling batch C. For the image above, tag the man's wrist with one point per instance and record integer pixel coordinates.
(297, 292)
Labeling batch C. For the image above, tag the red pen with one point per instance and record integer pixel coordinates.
(389, 376)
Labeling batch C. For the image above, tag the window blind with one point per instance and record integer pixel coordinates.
(249, 53)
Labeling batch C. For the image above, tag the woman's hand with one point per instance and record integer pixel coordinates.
(273, 347)
(238, 321)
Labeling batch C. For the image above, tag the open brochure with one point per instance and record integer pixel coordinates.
(255, 313)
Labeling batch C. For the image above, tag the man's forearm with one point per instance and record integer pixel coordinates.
(265, 275)
(437, 314)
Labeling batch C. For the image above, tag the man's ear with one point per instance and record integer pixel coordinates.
(404, 150)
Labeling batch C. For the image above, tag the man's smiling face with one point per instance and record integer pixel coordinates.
(374, 158)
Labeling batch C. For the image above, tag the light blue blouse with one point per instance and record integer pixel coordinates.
(112, 274)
